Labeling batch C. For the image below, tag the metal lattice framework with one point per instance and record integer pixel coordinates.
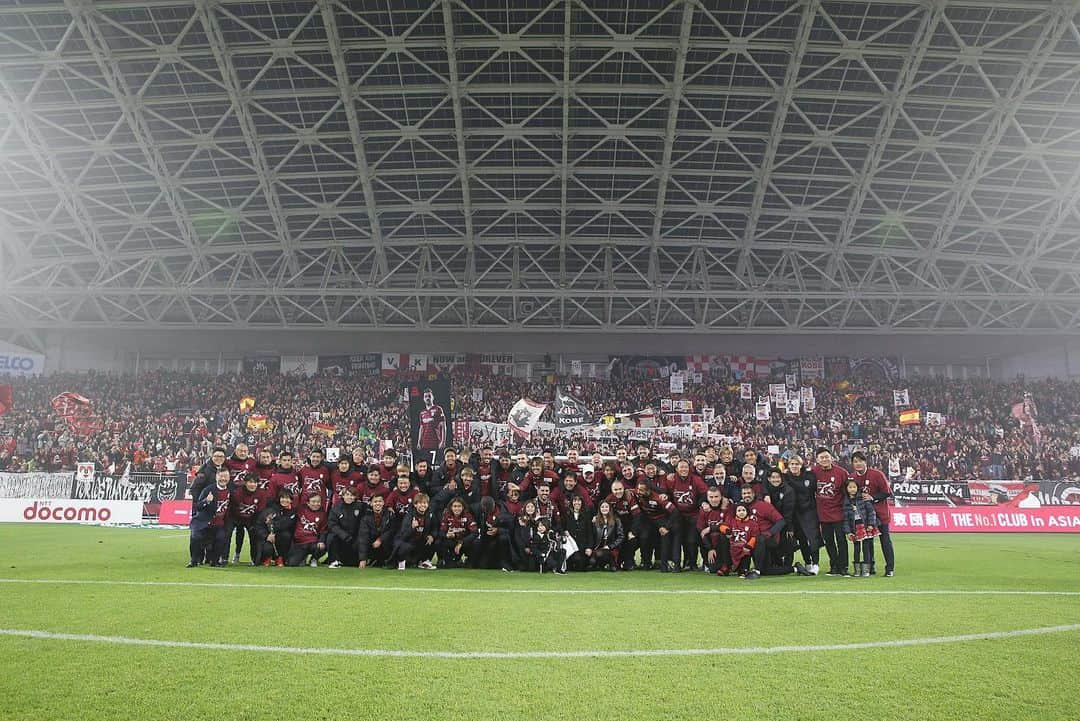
(618, 165)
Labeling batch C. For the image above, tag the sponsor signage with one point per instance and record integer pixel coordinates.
(96, 512)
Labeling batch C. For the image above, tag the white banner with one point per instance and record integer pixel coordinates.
(676, 382)
(575, 368)
(36, 485)
(778, 394)
(761, 411)
(418, 361)
(901, 398)
(812, 368)
(22, 510)
(524, 416)
(478, 394)
(792, 406)
(708, 414)
(746, 392)
(806, 395)
(20, 362)
(791, 380)
(303, 365)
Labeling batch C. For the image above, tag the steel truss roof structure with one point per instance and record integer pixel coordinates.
(611, 165)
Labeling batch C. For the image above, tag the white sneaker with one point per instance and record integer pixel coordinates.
(427, 565)
(314, 563)
(235, 558)
(813, 569)
(334, 564)
(401, 566)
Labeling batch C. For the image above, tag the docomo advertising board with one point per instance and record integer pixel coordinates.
(22, 510)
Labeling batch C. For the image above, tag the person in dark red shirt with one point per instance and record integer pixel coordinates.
(247, 502)
(374, 486)
(715, 548)
(830, 490)
(309, 535)
(687, 492)
(284, 477)
(403, 494)
(342, 477)
(388, 467)
(657, 527)
(875, 487)
(314, 477)
(240, 464)
(563, 493)
(536, 476)
(743, 534)
(415, 539)
(486, 468)
(457, 533)
(264, 468)
(625, 507)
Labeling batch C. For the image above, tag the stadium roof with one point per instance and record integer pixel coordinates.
(630, 166)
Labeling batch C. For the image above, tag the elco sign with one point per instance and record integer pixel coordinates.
(21, 365)
(18, 510)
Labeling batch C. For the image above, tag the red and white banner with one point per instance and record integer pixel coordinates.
(985, 519)
(175, 513)
(20, 510)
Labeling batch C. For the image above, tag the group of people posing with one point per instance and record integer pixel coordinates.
(713, 512)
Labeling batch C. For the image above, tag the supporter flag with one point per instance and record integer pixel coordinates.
(746, 391)
(478, 395)
(394, 362)
(762, 411)
(77, 411)
(256, 423)
(569, 411)
(934, 419)
(6, 401)
(708, 414)
(792, 406)
(324, 428)
(910, 417)
(575, 367)
(791, 380)
(666, 405)
(676, 382)
(246, 403)
(901, 398)
(836, 425)
(879, 411)
(418, 362)
(806, 396)
(524, 415)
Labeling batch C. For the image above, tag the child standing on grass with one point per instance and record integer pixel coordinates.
(860, 526)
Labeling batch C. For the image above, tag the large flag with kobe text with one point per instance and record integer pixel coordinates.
(569, 411)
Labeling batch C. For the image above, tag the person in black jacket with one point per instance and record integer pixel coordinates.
(273, 530)
(375, 535)
(782, 497)
(521, 535)
(577, 523)
(422, 477)
(607, 538)
(207, 474)
(545, 549)
(343, 525)
(414, 543)
(807, 531)
(491, 548)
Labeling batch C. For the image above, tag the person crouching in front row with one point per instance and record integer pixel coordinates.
(344, 528)
(376, 535)
(457, 534)
(414, 544)
(273, 530)
(309, 535)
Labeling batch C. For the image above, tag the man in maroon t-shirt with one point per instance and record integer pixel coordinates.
(875, 487)
(830, 489)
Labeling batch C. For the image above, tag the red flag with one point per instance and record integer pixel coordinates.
(76, 410)
(6, 403)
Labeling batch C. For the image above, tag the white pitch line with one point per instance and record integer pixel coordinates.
(546, 591)
(736, 651)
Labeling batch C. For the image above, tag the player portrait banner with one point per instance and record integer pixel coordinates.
(986, 519)
(299, 365)
(262, 365)
(35, 485)
(430, 418)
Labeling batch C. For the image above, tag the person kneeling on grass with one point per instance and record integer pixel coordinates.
(714, 544)
(309, 536)
(375, 537)
(208, 539)
(860, 527)
(457, 533)
(414, 543)
(743, 532)
(273, 530)
(344, 527)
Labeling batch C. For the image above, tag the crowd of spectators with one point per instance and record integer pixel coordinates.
(170, 421)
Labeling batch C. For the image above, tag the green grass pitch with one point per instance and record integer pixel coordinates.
(1012, 677)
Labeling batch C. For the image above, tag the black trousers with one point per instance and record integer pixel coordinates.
(886, 549)
(689, 540)
(208, 544)
(603, 558)
(238, 531)
(765, 551)
(343, 551)
(628, 551)
(489, 551)
(722, 545)
(265, 549)
(835, 546)
(411, 552)
(452, 559)
(654, 544)
(299, 553)
(806, 531)
(863, 551)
